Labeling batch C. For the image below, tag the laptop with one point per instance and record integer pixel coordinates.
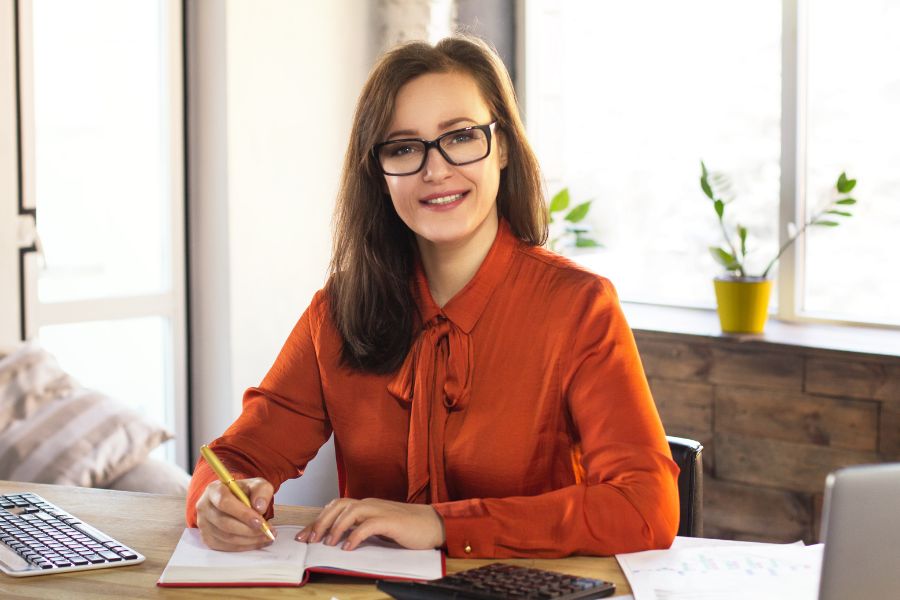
(861, 531)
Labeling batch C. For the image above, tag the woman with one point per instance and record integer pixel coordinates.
(485, 394)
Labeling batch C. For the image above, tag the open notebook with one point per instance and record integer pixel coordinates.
(288, 562)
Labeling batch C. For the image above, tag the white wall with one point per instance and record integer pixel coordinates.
(276, 86)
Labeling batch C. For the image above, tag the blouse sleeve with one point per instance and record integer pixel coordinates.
(628, 498)
(283, 422)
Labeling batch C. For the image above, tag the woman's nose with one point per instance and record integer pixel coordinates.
(436, 166)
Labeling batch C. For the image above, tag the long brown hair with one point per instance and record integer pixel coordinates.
(369, 292)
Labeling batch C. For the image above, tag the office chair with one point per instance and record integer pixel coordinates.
(687, 455)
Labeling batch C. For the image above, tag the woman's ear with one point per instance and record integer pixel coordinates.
(501, 145)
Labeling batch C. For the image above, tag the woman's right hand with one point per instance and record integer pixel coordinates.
(226, 523)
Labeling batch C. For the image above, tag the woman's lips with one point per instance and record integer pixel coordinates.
(443, 200)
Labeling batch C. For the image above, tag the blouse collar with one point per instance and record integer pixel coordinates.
(465, 308)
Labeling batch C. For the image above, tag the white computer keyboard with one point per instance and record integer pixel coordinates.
(37, 537)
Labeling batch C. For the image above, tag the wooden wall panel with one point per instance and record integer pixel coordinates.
(859, 379)
(797, 417)
(741, 511)
(685, 408)
(784, 465)
(773, 424)
(776, 369)
(889, 434)
(674, 360)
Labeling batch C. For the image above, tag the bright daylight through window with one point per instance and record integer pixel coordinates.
(622, 106)
(104, 129)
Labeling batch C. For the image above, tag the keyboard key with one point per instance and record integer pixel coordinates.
(110, 556)
(94, 558)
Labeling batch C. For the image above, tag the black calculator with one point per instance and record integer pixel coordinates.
(500, 581)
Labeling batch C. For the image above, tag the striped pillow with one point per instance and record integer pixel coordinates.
(52, 430)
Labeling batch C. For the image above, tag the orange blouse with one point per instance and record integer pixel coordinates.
(521, 413)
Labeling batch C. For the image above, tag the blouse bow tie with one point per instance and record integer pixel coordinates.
(436, 373)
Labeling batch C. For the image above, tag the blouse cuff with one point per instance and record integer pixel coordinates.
(468, 535)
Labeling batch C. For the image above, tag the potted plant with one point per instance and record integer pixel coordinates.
(743, 299)
(566, 230)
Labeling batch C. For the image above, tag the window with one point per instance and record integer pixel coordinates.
(624, 99)
(854, 123)
(102, 159)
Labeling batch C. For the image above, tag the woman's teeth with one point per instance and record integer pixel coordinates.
(444, 199)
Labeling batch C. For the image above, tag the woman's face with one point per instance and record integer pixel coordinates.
(444, 204)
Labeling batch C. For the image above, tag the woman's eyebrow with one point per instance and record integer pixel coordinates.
(441, 125)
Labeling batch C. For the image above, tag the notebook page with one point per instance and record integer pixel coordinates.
(193, 561)
(377, 557)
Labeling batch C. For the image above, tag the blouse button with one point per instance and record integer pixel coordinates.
(467, 549)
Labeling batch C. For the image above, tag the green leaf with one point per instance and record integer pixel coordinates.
(704, 185)
(827, 223)
(844, 185)
(842, 213)
(579, 212)
(586, 242)
(560, 201)
(725, 258)
(720, 207)
(846, 201)
(742, 234)
(704, 182)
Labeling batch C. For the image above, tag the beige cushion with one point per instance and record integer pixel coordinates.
(153, 476)
(52, 430)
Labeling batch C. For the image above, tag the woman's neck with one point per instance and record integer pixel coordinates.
(450, 266)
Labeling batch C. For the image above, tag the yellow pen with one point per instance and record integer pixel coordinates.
(228, 479)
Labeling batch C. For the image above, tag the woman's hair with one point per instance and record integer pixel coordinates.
(369, 291)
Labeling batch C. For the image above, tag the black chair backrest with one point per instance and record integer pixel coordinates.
(687, 455)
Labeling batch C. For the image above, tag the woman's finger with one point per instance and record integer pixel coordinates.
(259, 491)
(228, 524)
(363, 531)
(352, 515)
(225, 502)
(320, 528)
(229, 543)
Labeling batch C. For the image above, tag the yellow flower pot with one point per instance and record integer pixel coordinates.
(743, 304)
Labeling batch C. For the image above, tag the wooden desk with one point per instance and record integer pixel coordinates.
(152, 525)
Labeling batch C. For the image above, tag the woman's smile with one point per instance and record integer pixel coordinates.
(444, 200)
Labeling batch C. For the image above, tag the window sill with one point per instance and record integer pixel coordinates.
(705, 323)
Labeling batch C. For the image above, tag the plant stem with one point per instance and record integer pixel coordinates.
(734, 253)
(793, 238)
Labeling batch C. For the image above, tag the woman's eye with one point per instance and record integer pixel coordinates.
(462, 137)
(403, 150)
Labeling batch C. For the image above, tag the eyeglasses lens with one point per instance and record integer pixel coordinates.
(459, 147)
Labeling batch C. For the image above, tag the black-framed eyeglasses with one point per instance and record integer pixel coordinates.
(458, 147)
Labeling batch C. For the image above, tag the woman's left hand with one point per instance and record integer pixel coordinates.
(415, 526)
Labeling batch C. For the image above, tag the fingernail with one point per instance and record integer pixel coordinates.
(260, 504)
(327, 539)
(345, 546)
(257, 523)
(313, 537)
